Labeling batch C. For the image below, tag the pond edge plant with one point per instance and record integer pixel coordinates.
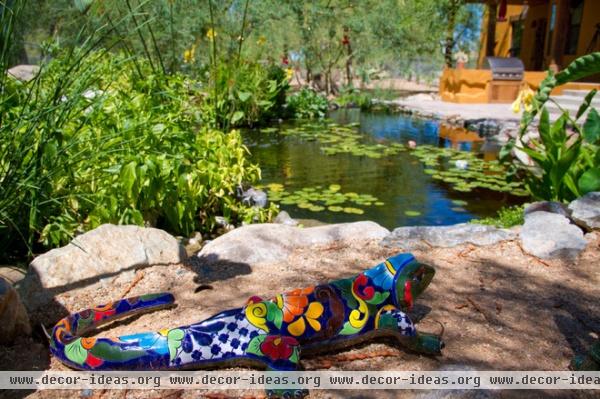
(565, 160)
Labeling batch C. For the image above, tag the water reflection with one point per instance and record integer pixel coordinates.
(398, 181)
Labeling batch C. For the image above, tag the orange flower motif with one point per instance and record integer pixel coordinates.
(88, 343)
(293, 303)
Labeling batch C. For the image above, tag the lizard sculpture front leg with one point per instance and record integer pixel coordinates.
(394, 322)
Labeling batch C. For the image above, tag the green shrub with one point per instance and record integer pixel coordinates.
(567, 154)
(505, 218)
(246, 94)
(355, 98)
(307, 104)
(91, 143)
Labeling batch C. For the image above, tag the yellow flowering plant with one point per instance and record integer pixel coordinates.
(565, 154)
(525, 99)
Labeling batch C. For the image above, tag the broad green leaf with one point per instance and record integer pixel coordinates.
(128, 176)
(586, 103)
(580, 68)
(237, 116)
(544, 127)
(558, 132)
(570, 183)
(589, 181)
(244, 96)
(82, 5)
(591, 127)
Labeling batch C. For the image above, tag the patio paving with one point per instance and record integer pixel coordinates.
(427, 105)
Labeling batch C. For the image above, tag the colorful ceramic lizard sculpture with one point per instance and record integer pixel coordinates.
(268, 333)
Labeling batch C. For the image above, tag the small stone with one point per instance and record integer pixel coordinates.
(284, 218)
(549, 235)
(24, 72)
(221, 221)
(253, 197)
(14, 320)
(586, 211)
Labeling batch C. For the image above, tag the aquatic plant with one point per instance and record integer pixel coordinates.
(319, 198)
(307, 104)
(462, 171)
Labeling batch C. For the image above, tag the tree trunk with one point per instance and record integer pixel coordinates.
(491, 29)
(452, 11)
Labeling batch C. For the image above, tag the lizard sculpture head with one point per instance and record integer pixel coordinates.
(411, 278)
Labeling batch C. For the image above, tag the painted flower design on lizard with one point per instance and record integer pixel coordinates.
(361, 287)
(311, 316)
(277, 347)
(79, 352)
(293, 303)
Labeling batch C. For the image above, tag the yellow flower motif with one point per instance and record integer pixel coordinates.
(289, 73)
(256, 313)
(314, 311)
(211, 34)
(261, 40)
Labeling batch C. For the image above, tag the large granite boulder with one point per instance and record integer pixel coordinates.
(274, 242)
(13, 316)
(550, 235)
(99, 255)
(422, 237)
(585, 211)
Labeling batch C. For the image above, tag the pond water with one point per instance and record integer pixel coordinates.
(359, 183)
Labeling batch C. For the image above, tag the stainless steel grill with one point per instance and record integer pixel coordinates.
(506, 68)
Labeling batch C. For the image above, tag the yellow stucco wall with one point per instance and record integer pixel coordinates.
(503, 34)
(472, 86)
(528, 44)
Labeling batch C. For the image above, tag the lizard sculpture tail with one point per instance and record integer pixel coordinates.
(68, 345)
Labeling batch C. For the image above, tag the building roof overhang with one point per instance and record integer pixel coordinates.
(512, 2)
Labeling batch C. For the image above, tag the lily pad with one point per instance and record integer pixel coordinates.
(412, 213)
(459, 202)
(356, 211)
